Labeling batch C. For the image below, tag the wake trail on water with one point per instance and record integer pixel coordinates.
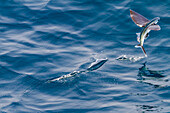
(94, 66)
(130, 58)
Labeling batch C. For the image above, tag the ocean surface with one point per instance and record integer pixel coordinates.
(78, 56)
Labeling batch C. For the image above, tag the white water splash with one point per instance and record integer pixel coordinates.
(65, 76)
(94, 66)
(130, 58)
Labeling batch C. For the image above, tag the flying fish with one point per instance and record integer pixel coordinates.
(147, 25)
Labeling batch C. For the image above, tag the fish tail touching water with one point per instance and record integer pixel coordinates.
(137, 46)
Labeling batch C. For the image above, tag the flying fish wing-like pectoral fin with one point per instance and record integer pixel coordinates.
(138, 37)
(155, 27)
(138, 19)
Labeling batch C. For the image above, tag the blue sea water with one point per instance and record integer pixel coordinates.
(78, 56)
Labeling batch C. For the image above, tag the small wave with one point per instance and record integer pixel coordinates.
(34, 5)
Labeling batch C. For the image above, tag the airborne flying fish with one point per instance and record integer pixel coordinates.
(147, 25)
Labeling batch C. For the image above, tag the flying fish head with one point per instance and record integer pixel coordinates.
(155, 20)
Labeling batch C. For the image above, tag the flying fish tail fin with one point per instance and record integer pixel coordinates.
(144, 51)
(137, 46)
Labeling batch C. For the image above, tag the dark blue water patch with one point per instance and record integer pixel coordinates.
(164, 93)
(8, 74)
(12, 12)
(59, 38)
(17, 107)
